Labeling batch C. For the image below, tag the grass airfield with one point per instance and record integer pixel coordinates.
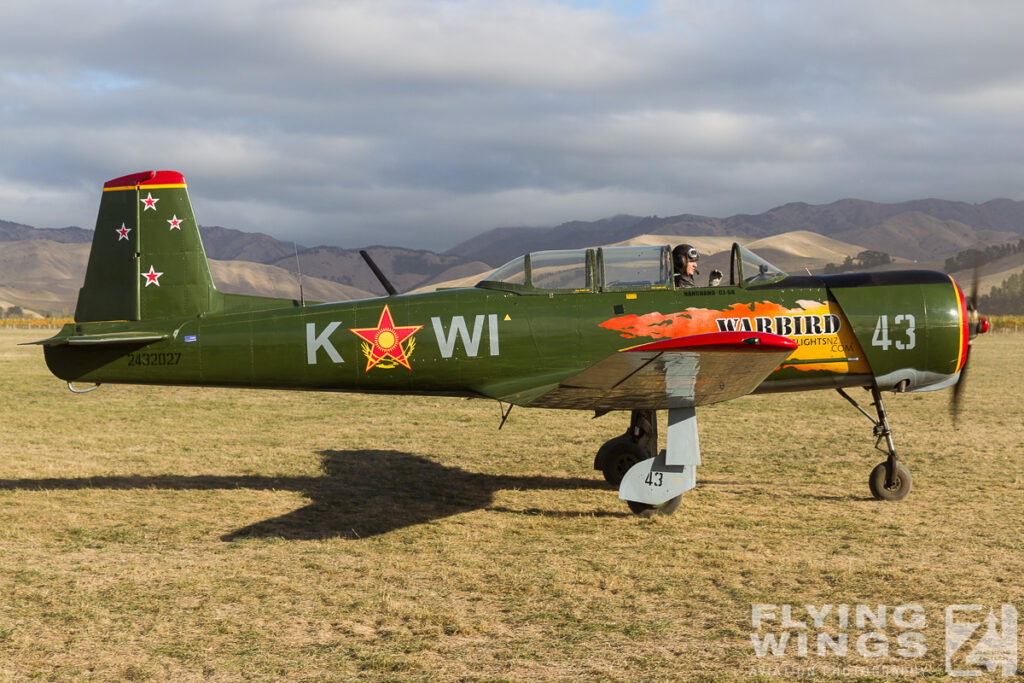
(158, 533)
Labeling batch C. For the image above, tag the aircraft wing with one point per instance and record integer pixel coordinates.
(671, 373)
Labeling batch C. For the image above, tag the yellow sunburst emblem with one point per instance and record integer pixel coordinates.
(387, 345)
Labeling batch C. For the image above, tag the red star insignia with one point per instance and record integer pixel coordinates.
(149, 202)
(152, 277)
(175, 222)
(122, 233)
(386, 340)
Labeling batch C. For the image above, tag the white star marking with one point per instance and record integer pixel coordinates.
(152, 277)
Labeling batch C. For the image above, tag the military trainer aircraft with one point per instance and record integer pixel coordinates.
(601, 330)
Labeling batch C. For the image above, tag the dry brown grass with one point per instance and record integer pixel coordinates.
(199, 534)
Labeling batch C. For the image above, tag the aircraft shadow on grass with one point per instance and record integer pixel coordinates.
(361, 493)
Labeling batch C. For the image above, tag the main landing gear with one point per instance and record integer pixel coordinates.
(639, 442)
(652, 482)
(890, 480)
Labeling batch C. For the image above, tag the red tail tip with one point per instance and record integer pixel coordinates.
(147, 178)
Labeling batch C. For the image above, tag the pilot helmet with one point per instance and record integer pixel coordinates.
(684, 253)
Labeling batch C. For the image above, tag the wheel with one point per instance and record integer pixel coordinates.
(617, 456)
(900, 486)
(645, 510)
(606, 447)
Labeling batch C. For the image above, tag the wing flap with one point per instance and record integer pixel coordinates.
(683, 371)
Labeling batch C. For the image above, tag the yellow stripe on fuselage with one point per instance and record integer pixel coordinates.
(961, 306)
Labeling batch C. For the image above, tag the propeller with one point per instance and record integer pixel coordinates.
(976, 324)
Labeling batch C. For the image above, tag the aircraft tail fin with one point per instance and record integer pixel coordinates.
(147, 259)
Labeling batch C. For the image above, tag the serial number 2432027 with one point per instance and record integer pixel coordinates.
(149, 359)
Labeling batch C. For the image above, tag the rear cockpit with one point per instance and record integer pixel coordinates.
(603, 269)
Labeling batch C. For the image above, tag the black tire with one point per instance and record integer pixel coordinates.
(902, 481)
(617, 456)
(645, 510)
(606, 447)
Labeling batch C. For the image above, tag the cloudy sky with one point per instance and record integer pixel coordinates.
(423, 123)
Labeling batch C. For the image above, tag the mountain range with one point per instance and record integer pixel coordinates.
(921, 230)
(42, 268)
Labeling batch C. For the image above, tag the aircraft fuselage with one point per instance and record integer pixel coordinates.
(896, 326)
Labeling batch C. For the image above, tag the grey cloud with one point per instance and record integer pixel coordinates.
(425, 123)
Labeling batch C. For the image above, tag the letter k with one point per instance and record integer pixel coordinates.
(315, 341)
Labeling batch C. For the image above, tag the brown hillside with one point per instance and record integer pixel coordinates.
(243, 277)
(799, 251)
(705, 244)
(42, 276)
(45, 276)
(992, 274)
(919, 237)
(41, 262)
(474, 270)
(843, 219)
(809, 245)
(405, 268)
(38, 301)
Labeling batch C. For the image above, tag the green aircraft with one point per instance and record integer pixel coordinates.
(606, 329)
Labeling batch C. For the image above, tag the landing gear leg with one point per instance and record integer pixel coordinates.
(655, 486)
(639, 442)
(889, 480)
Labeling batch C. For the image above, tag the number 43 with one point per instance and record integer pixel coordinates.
(881, 335)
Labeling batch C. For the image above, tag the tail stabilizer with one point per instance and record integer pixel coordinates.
(147, 259)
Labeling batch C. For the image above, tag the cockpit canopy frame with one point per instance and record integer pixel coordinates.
(614, 269)
(749, 269)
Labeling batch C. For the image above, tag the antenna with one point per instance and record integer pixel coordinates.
(385, 283)
(298, 269)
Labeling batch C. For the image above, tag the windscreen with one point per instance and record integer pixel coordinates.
(752, 269)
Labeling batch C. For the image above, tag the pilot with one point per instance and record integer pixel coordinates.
(684, 262)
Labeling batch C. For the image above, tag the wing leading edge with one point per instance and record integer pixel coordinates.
(672, 373)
